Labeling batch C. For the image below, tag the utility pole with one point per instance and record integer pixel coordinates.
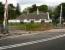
(61, 15)
(5, 17)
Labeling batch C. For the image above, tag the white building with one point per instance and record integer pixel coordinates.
(36, 17)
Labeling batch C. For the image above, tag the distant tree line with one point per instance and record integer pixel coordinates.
(33, 8)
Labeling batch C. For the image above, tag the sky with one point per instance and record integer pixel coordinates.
(27, 3)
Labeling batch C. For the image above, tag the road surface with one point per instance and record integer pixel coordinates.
(58, 44)
(42, 41)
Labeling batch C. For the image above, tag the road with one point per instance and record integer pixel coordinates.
(58, 44)
(41, 41)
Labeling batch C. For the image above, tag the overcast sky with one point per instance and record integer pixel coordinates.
(27, 3)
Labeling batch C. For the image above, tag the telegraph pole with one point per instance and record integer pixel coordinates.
(5, 17)
(61, 15)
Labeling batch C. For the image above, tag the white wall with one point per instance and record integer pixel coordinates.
(37, 21)
(47, 21)
(13, 21)
(26, 21)
(29, 21)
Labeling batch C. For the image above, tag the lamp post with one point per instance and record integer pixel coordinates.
(5, 17)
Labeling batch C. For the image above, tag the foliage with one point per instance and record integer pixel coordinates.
(43, 8)
(1, 12)
(18, 10)
(57, 12)
(13, 12)
(33, 8)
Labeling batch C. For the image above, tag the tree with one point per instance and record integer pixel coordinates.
(63, 12)
(57, 12)
(1, 12)
(43, 8)
(11, 11)
(18, 10)
(33, 8)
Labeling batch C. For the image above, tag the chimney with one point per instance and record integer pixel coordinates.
(27, 11)
(48, 15)
(37, 11)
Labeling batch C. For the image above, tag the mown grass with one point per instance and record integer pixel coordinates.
(31, 26)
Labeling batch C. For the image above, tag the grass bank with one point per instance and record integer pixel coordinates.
(31, 26)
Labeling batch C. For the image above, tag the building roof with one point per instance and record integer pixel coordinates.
(33, 16)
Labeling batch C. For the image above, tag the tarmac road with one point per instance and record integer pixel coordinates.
(40, 41)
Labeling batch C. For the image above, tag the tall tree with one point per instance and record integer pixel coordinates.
(33, 8)
(18, 9)
(1, 12)
(43, 8)
(11, 11)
